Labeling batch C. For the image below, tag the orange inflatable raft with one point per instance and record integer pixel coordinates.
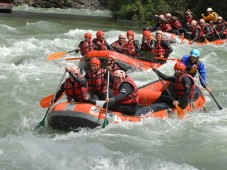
(73, 116)
(130, 62)
(173, 38)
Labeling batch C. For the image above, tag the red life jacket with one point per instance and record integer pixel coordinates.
(175, 24)
(117, 45)
(144, 45)
(131, 98)
(158, 50)
(189, 19)
(102, 46)
(74, 90)
(97, 82)
(131, 47)
(86, 47)
(180, 88)
(211, 29)
(165, 27)
(219, 27)
(200, 31)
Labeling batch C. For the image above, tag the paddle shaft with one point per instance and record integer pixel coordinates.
(43, 120)
(220, 108)
(107, 96)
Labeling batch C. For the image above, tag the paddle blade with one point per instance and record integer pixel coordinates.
(44, 103)
(56, 55)
(105, 123)
(41, 124)
(180, 112)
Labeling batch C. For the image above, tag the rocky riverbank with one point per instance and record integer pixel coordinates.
(78, 4)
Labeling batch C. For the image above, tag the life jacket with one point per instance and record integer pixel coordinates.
(131, 48)
(102, 46)
(179, 87)
(205, 31)
(144, 46)
(189, 19)
(200, 31)
(175, 24)
(118, 46)
(97, 82)
(158, 50)
(132, 98)
(86, 47)
(219, 27)
(74, 90)
(165, 27)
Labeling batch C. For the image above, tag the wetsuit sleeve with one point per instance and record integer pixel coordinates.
(168, 48)
(82, 81)
(196, 35)
(59, 92)
(155, 27)
(137, 46)
(125, 90)
(165, 77)
(202, 72)
(207, 28)
(80, 45)
(187, 83)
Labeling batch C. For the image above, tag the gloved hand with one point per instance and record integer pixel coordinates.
(77, 51)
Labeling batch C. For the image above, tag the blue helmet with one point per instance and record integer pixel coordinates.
(195, 53)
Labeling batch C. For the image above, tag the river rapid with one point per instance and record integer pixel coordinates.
(29, 35)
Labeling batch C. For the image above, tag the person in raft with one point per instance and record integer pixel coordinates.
(100, 42)
(184, 86)
(119, 44)
(75, 87)
(86, 45)
(97, 80)
(194, 65)
(125, 93)
(112, 64)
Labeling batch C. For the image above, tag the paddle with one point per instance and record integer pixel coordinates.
(73, 58)
(105, 123)
(44, 103)
(180, 112)
(161, 58)
(42, 123)
(57, 55)
(220, 108)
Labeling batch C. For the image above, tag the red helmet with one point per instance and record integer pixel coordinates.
(180, 65)
(88, 35)
(130, 32)
(147, 33)
(75, 69)
(95, 61)
(99, 33)
(120, 73)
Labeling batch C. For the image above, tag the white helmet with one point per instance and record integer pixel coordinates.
(219, 18)
(209, 9)
(122, 36)
(168, 15)
(120, 73)
(194, 23)
(159, 32)
(201, 21)
(75, 70)
(162, 16)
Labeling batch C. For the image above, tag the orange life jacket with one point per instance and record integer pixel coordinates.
(131, 48)
(117, 45)
(180, 87)
(97, 82)
(131, 98)
(86, 47)
(144, 45)
(102, 46)
(211, 29)
(74, 90)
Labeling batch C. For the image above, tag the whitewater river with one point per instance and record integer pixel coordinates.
(26, 38)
